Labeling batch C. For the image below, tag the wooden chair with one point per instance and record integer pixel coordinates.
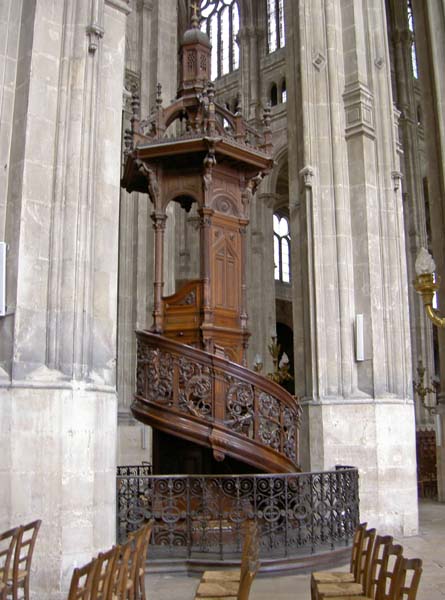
(103, 574)
(82, 581)
(231, 589)
(351, 588)
(385, 567)
(250, 539)
(19, 575)
(139, 582)
(408, 579)
(8, 541)
(352, 575)
(122, 586)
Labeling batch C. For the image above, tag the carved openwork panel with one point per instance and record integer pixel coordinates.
(240, 407)
(269, 420)
(195, 388)
(154, 377)
(219, 394)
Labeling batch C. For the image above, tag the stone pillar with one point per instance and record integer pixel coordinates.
(58, 346)
(429, 19)
(342, 157)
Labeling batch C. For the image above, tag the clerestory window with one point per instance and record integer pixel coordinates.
(275, 25)
(281, 247)
(220, 20)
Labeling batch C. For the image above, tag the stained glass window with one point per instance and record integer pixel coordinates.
(220, 20)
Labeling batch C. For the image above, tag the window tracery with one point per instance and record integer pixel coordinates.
(275, 25)
(220, 20)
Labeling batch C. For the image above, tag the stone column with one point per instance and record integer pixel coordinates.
(429, 19)
(342, 157)
(58, 347)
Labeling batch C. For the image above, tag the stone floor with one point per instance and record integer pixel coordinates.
(429, 545)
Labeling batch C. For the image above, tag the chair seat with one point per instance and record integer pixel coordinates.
(229, 575)
(217, 589)
(330, 590)
(332, 577)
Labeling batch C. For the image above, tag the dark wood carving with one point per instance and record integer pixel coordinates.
(216, 403)
(216, 161)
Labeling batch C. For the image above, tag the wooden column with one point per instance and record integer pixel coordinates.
(159, 221)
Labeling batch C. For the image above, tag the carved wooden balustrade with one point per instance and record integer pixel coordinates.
(209, 400)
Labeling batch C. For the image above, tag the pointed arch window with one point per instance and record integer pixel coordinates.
(281, 247)
(275, 25)
(220, 20)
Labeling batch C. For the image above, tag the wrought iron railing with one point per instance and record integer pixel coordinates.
(203, 516)
(214, 392)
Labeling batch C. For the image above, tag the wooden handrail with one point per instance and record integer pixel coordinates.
(210, 400)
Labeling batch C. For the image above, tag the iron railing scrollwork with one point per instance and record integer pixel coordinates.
(204, 515)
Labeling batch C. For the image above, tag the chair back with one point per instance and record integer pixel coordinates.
(408, 579)
(250, 546)
(138, 540)
(381, 545)
(82, 581)
(250, 562)
(118, 588)
(365, 557)
(104, 573)
(392, 560)
(24, 549)
(357, 543)
(141, 557)
(8, 541)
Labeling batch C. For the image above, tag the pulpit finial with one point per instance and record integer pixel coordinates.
(195, 14)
